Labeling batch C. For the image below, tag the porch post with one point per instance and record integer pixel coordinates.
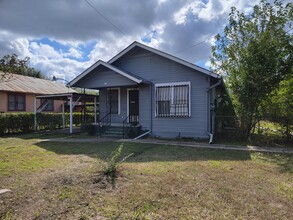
(70, 116)
(35, 113)
(95, 109)
(63, 114)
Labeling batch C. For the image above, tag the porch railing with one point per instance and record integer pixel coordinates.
(129, 122)
(105, 119)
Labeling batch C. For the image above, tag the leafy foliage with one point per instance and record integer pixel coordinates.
(254, 54)
(24, 122)
(279, 106)
(12, 64)
(113, 162)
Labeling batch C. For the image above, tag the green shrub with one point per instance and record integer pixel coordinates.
(24, 122)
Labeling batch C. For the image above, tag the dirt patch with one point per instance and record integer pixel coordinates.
(55, 193)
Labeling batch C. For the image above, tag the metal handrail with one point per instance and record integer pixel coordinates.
(131, 122)
(106, 119)
(124, 122)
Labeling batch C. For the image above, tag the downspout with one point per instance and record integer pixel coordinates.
(151, 107)
(211, 132)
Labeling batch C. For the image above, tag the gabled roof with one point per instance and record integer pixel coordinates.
(109, 66)
(27, 84)
(163, 54)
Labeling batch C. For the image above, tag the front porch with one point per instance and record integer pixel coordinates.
(119, 97)
(119, 111)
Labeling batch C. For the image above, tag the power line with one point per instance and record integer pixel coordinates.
(187, 48)
(196, 44)
(103, 16)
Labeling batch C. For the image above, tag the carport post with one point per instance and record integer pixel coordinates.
(70, 102)
(35, 113)
(95, 109)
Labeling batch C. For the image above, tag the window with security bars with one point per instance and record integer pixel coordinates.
(173, 100)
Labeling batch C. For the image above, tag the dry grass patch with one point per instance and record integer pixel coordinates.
(54, 180)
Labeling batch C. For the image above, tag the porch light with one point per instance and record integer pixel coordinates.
(54, 79)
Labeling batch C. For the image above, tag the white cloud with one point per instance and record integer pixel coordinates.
(190, 9)
(107, 48)
(169, 26)
(197, 10)
(74, 53)
(44, 50)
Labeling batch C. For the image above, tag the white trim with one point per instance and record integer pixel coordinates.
(174, 84)
(109, 66)
(119, 101)
(163, 54)
(127, 102)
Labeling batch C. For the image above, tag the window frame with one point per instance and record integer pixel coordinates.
(172, 85)
(118, 89)
(16, 95)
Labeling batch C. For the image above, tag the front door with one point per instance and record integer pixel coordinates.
(133, 106)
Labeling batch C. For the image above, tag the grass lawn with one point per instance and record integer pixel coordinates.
(54, 180)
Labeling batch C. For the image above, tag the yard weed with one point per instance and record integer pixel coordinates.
(114, 161)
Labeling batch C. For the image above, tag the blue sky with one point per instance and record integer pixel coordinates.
(64, 37)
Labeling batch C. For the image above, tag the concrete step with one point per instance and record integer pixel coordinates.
(114, 131)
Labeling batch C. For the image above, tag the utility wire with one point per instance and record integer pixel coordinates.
(103, 16)
(187, 48)
(196, 44)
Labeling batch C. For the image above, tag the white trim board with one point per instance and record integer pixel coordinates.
(109, 66)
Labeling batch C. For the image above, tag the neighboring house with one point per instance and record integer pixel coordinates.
(17, 93)
(166, 95)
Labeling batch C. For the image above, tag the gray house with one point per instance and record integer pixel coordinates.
(145, 87)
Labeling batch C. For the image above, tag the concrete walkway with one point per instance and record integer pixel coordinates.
(80, 140)
(176, 143)
(212, 146)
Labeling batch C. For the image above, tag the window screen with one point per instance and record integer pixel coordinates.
(172, 100)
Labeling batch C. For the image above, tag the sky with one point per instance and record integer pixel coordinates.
(65, 37)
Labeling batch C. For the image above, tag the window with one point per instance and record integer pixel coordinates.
(114, 101)
(173, 99)
(49, 104)
(16, 102)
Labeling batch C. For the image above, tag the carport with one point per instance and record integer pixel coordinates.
(73, 99)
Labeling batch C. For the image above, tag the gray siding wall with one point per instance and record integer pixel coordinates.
(145, 112)
(105, 79)
(161, 70)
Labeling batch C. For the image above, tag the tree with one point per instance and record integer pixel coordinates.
(254, 54)
(12, 64)
(279, 106)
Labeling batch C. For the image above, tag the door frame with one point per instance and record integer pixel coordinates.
(109, 104)
(128, 89)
